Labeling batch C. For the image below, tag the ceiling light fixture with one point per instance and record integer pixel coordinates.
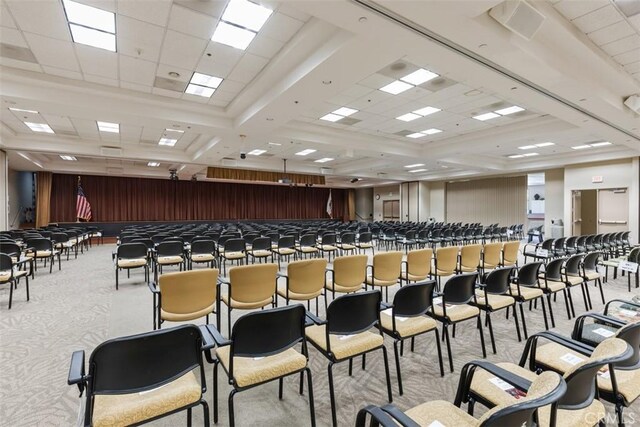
(426, 111)
(68, 158)
(408, 117)
(240, 23)
(91, 26)
(431, 131)
(324, 160)
(108, 127)
(416, 135)
(275, 143)
(416, 165)
(486, 116)
(509, 110)
(305, 152)
(545, 144)
(20, 110)
(526, 147)
(418, 170)
(169, 142)
(338, 114)
(331, 117)
(418, 77)
(256, 152)
(153, 164)
(581, 147)
(396, 87)
(530, 154)
(516, 156)
(39, 127)
(600, 144)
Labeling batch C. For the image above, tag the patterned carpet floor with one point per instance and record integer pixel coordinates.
(78, 308)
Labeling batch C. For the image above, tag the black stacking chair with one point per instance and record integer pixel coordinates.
(202, 252)
(129, 256)
(10, 275)
(328, 244)
(526, 287)
(262, 350)
(260, 249)
(129, 370)
(43, 248)
(347, 243)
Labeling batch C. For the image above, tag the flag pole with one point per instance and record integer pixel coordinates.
(77, 187)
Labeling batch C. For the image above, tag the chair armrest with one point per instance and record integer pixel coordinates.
(606, 307)
(385, 305)
(532, 344)
(220, 341)
(208, 342)
(312, 319)
(76, 370)
(223, 280)
(153, 287)
(579, 323)
(513, 379)
(399, 417)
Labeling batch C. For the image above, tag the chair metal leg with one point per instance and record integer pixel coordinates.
(332, 398)
(439, 352)
(544, 314)
(351, 366)
(397, 356)
(386, 372)
(205, 410)
(312, 408)
(189, 417)
(215, 392)
(280, 384)
(445, 332)
(484, 350)
(553, 322)
(232, 421)
(515, 318)
(493, 342)
(524, 322)
(599, 284)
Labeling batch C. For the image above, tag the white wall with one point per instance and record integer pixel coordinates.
(4, 191)
(554, 198)
(437, 201)
(13, 190)
(364, 204)
(389, 192)
(615, 174)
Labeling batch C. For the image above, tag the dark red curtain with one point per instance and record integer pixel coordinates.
(144, 199)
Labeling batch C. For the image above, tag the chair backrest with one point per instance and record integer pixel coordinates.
(491, 253)
(419, 262)
(460, 288)
(261, 244)
(447, 258)
(470, 256)
(252, 283)
(40, 244)
(307, 276)
(631, 334)
(170, 248)
(387, 265)
(234, 245)
(268, 332)
(328, 239)
(350, 271)
(132, 364)
(186, 292)
(203, 246)
(286, 242)
(547, 244)
(60, 237)
(528, 274)
(573, 264)
(510, 253)
(634, 255)
(6, 264)
(553, 269)
(414, 299)
(353, 313)
(365, 237)
(10, 248)
(497, 281)
(348, 238)
(307, 240)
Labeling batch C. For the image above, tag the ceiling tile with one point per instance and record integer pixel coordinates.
(58, 122)
(139, 9)
(288, 8)
(633, 67)
(600, 18)
(190, 22)
(41, 17)
(611, 33)
(130, 132)
(137, 70)
(5, 17)
(182, 50)
(376, 81)
(53, 52)
(165, 92)
(12, 37)
(223, 95)
(281, 27)
(101, 80)
(62, 73)
(265, 46)
(248, 67)
(623, 45)
(98, 62)
(8, 62)
(635, 21)
(86, 128)
(628, 57)
(164, 70)
(136, 87)
(139, 39)
(231, 86)
(195, 98)
(573, 9)
(209, 7)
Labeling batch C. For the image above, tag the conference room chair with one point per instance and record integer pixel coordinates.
(168, 253)
(262, 349)
(494, 295)
(364, 242)
(327, 245)
(351, 316)
(285, 248)
(233, 249)
(406, 319)
(590, 273)
(542, 393)
(510, 254)
(304, 281)
(417, 266)
(140, 378)
(532, 251)
(406, 241)
(445, 263)
(491, 256)
(347, 275)
(129, 256)
(526, 287)
(10, 273)
(452, 307)
(18, 256)
(249, 287)
(260, 249)
(559, 249)
(573, 278)
(42, 248)
(555, 280)
(469, 259)
(385, 271)
(306, 247)
(63, 243)
(347, 244)
(185, 295)
(202, 252)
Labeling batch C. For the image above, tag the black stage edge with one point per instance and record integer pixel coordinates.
(113, 229)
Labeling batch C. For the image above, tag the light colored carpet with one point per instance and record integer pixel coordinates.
(79, 307)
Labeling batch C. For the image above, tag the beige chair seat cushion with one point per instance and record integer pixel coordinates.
(282, 291)
(174, 259)
(364, 245)
(575, 280)
(456, 313)
(413, 277)
(202, 257)
(244, 305)
(578, 418)
(526, 292)
(127, 409)
(344, 346)
(482, 386)
(45, 254)
(328, 247)
(407, 326)
(284, 251)
(307, 249)
(495, 302)
(552, 285)
(248, 370)
(346, 246)
(444, 413)
(260, 253)
(628, 384)
(233, 255)
(180, 317)
(132, 262)
(342, 289)
(552, 354)
(5, 276)
(592, 275)
(378, 282)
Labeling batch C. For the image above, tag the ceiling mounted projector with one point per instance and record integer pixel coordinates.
(518, 16)
(633, 102)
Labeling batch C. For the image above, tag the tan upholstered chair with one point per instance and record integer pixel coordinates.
(445, 263)
(185, 295)
(469, 260)
(510, 254)
(491, 256)
(417, 267)
(304, 281)
(250, 287)
(385, 270)
(348, 275)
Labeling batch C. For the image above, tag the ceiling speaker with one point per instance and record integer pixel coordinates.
(633, 102)
(518, 16)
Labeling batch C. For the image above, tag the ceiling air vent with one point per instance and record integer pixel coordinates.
(111, 151)
(518, 16)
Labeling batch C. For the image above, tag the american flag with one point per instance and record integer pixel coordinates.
(83, 207)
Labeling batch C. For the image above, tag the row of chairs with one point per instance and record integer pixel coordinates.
(610, 244)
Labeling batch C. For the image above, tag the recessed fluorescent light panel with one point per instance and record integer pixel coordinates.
(338, 114)
(408, 117)
(486, 116)
(516, 156)
(108, 127)
(426, 111)
(91, 26)
(530, 154)
(68, 158)
(39, 127)
(418, 77)
(600, 144)
(431, 131)
(153, 164)
(305, 152)
(396, 87)
(545, 144)
(581, 147)
(203, 85)
(324, 160)
(275, 143)
(20, 110)
(331, 117)
(416, 135)
(418, 170)
(416, 165)
(256, 152)
(527, 147)
(240, 23)
(531, 147)
(509, 110)
(169, 142)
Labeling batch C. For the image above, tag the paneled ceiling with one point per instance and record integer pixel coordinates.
(554, 100)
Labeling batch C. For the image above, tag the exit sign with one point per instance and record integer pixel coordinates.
(597, 179)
